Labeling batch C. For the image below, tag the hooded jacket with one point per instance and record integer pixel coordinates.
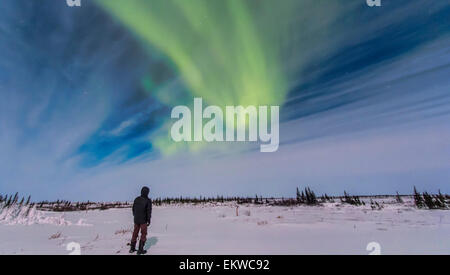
(142, 207)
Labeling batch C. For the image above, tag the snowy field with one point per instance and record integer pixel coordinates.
(216, 229)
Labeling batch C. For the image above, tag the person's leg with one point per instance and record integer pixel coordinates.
(134, 238)
(135, 233)
(143, 232)
(143, 239)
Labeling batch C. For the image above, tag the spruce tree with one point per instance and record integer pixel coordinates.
(418, 200)
(16, 197)
(428, 200)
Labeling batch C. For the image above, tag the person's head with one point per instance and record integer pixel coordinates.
(144, 191)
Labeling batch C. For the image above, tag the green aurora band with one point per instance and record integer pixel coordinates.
(228, 52)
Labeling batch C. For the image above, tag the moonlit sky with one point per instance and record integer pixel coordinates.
(86, 94)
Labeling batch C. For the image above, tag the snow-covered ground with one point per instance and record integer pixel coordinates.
(216, 229)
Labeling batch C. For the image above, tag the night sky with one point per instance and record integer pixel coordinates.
(86, 94)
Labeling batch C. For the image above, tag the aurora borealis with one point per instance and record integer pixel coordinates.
(87, 93)
(226, 52)
(216, 46)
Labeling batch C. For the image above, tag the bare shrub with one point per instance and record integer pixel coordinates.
(55, 236)
(122, 231)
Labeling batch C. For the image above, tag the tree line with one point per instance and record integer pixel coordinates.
(305, 196)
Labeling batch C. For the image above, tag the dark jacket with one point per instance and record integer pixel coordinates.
(142, 208)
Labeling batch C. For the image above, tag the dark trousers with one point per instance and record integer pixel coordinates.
(137, 228)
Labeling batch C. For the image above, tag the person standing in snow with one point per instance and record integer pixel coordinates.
(142, 212)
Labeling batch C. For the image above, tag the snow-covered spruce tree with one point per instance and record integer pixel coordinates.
(353, 200)
(307, 196)
(311, 198)
(418, 200)
(326, 198)
(439, 202)
(8, 202)
(428, 200)
(16, 197)
(30, 207)
(3, 201)
(442, 199)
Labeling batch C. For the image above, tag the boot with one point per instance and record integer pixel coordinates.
(132, 247)
(141, 250)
